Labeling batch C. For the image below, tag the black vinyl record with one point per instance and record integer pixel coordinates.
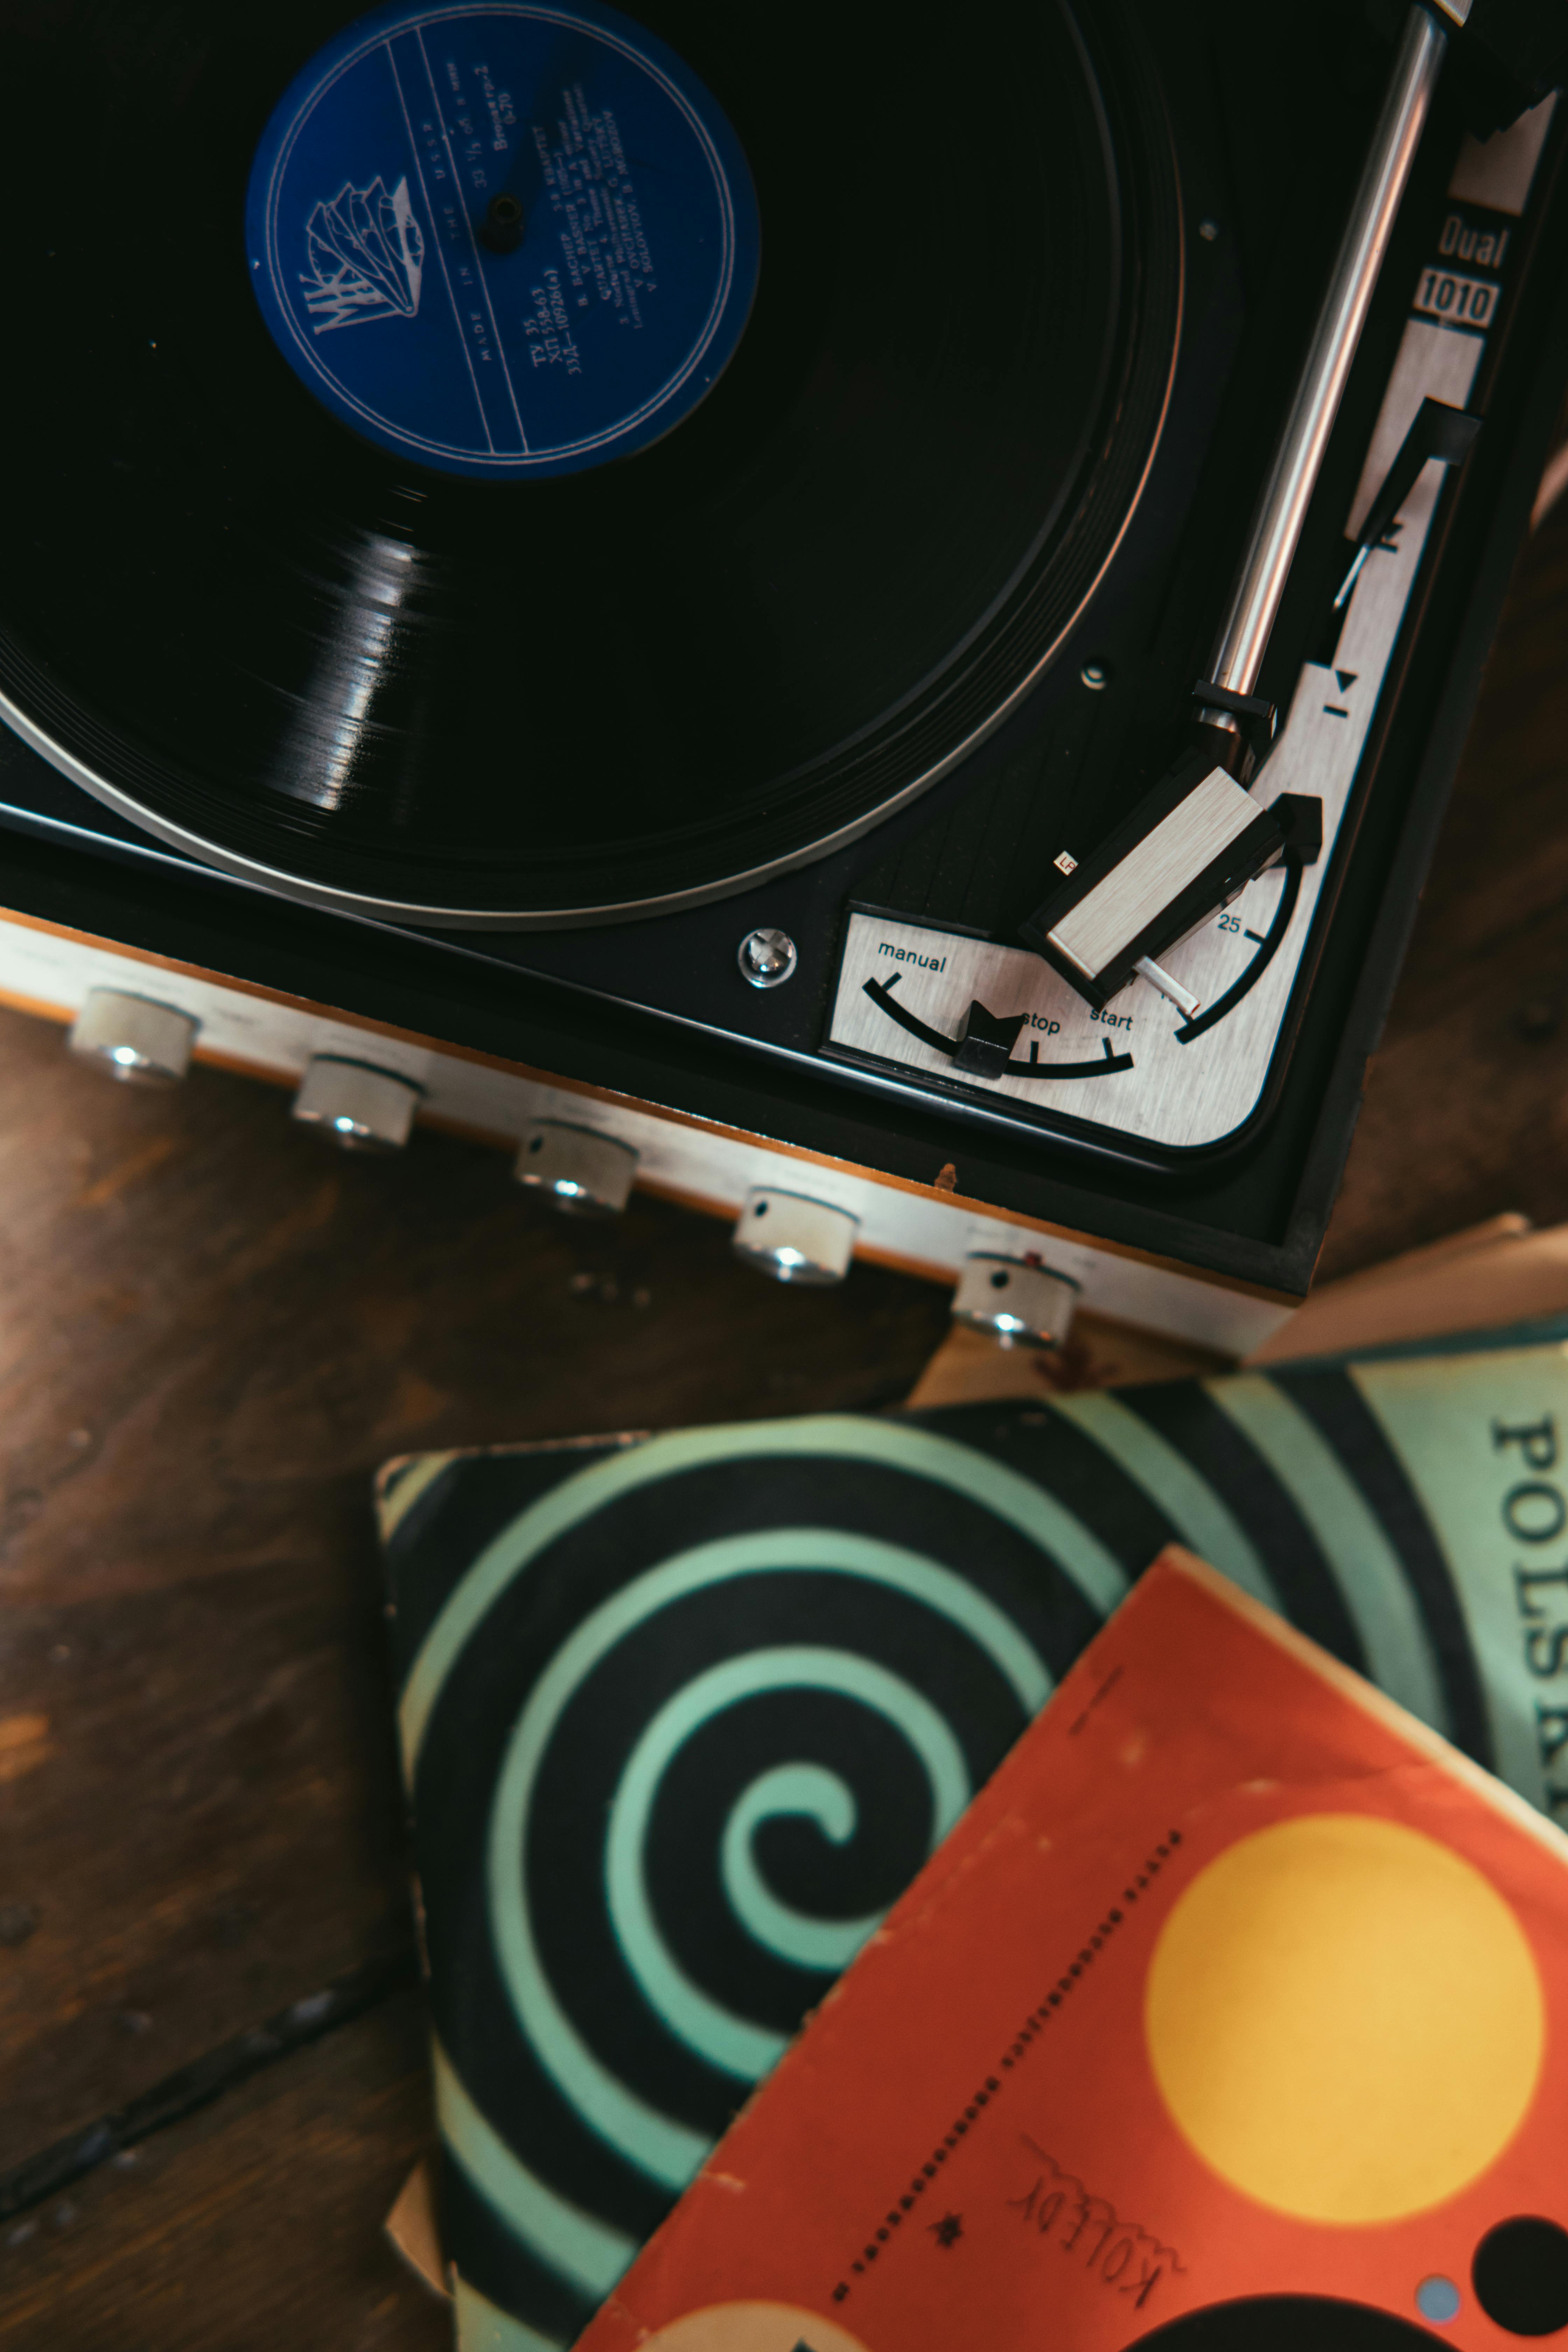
(566, 699)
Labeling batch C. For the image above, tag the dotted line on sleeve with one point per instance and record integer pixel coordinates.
(1034, 2026)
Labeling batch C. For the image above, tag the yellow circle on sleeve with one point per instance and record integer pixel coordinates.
(752, 2328)
(1344, 2018)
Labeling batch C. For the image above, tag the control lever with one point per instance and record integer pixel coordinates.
(1199, 837)
(1438, 431)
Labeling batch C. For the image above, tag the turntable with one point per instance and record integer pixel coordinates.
(890, 612)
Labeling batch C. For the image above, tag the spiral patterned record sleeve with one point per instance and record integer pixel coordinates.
(682, 1715)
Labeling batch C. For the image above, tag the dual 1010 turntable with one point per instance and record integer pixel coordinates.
(911, 593)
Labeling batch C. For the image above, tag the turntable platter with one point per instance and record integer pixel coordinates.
(267, 628)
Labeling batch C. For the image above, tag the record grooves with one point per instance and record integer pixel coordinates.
(554, 700)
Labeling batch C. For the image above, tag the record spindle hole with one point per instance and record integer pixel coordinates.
(503, 224)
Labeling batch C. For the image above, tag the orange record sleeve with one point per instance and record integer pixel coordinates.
(1233, 2012)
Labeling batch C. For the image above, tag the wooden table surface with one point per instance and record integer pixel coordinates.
(213, 1331)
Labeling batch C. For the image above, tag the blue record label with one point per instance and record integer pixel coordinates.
(624, 192)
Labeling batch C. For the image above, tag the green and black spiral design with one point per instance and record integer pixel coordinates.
(682, 1718)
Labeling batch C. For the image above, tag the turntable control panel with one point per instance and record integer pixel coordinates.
(1141, 1065)
(1185, 1067)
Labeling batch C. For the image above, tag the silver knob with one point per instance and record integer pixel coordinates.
(578, 1168)
(132, 1038)
(794, 1239)
(355, 1106)
(1017, 1301)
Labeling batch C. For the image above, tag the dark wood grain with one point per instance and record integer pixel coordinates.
(208, 1828)
(1466, 1101)
(255, 2225)
(215, 1330)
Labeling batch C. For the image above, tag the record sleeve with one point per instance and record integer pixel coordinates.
(1226, 2017)
(682, 1715)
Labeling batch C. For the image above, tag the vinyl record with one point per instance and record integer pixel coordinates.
(319, 621)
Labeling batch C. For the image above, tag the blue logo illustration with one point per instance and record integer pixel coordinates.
(540, 217)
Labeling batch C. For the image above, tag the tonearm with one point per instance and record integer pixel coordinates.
(1201, 835)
